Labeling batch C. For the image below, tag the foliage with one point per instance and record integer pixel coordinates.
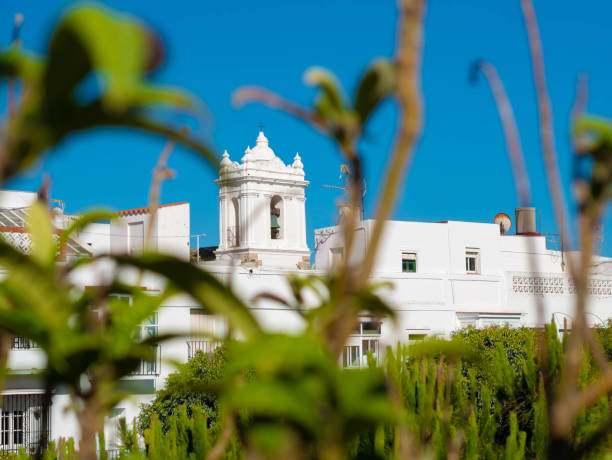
(495, 404)
(604, 333)
(484, 345)
(190, 387)
(187, 438)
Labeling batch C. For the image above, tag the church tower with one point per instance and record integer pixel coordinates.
(262, 217)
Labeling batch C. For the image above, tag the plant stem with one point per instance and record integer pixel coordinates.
(408, 60)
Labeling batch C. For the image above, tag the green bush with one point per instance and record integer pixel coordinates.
(192, 386)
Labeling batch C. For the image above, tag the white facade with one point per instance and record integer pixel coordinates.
(443, 293)
(445, 275)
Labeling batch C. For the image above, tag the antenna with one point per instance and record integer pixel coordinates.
(344, 173)
(197, 237)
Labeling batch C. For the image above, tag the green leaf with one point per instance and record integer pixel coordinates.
(41, 231)
(117, 49)
(592, 131)
(97, 74)
(377, 83)
(329, 101)
(14, 63)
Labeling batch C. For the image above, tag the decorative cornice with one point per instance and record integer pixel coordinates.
(224, 182)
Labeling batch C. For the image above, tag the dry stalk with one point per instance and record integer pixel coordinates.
(570, 400)
(454, 450)
(545, 116)
(404, 444)
(511, 133)
(408, 63)
(248, 94)
(342, 322)
(580, 100)
(521, 179)
(160, 173)
(218, 449)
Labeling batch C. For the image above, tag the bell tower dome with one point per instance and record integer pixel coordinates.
(262, 217)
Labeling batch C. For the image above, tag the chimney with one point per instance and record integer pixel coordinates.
(525, 219)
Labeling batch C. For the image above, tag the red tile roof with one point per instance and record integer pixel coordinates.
(146, 209)
(5, 229)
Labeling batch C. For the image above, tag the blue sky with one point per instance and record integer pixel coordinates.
(461, 170)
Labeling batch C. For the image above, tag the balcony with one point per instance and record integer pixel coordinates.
(25, 356)
(149, 367)
(21, 343)
(205, 346)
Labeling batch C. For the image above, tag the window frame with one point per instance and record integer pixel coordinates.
(373, 345)
(347, 356)
(363, 340)
(472, 253)
(409, 253)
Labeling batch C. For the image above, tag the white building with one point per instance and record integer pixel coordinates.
(446, 275)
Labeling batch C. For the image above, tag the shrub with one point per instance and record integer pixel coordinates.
(189, 388)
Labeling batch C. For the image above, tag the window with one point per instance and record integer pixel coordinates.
(11, 428)
(148, 329)
(472, 260)
(363, 342)
(18, 427)
(135, 237)
(22, 418)
(113, 429)
(5, 429)
(416, 337)
(350, 357)
(371, 327)
(369, 346)
(484, 319)
(204, 328)
(123, 298)
(409, 262)
(336, 255)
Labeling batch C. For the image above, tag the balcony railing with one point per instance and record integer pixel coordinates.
(205, 346)
(149, 367)
(21, 343)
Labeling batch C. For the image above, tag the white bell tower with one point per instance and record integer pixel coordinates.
(262, 217)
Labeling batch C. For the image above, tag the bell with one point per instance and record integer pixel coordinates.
(274, 221)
